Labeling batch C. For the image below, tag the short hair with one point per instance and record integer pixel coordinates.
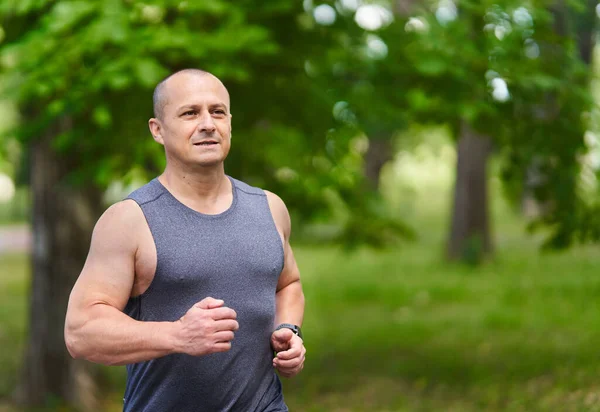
(158, 97)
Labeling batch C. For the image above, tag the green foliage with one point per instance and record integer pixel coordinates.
(303, 92)
(444, 68)
(95, 63)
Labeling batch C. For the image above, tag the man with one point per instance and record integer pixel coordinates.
(191, 281)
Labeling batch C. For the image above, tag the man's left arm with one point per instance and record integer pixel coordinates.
(289, 299)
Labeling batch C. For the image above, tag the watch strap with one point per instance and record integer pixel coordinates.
(294, 328)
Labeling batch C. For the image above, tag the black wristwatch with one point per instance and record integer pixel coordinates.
(294, 328)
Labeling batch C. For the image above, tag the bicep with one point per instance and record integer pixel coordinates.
(108, 274)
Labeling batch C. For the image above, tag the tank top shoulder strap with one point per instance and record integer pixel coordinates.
(147, 193)
(246, 188)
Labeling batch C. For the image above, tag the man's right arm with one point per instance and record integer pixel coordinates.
(96, 328)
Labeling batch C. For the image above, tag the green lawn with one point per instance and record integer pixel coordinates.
(402, 330)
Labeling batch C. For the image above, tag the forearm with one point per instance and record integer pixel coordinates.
(105, 335)
(290, 304)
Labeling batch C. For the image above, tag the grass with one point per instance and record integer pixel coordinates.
(403, 330)
(395, 331)
(13, 289)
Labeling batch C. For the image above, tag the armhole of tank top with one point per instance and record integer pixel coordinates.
(280, 240)
(145, 292)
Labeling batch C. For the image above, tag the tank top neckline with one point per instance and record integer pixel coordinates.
(223, 214)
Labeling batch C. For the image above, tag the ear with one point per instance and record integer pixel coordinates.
(156, 130)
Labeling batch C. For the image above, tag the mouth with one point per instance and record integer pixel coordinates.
(206, 143)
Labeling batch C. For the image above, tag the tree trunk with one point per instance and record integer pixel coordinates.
(404, 7)
(380, 142)
(63, 219)
(470, 233)
(585, 23)
(378, 154)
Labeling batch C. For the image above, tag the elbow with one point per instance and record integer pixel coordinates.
(73, 343)
(79, 350)
(79, 347)
(76, 341)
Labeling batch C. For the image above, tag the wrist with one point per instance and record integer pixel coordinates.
(171, 336)
(296, 329)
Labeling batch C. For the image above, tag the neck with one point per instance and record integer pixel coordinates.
(200, 184)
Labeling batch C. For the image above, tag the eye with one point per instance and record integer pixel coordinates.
(189, 113)
(220, 112)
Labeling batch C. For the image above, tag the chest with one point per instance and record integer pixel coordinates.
(210, 256)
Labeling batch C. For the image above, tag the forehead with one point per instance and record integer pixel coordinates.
(185, 88)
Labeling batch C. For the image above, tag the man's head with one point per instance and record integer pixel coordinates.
(192, 118)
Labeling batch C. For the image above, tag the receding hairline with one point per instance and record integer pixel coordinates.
(159, 100)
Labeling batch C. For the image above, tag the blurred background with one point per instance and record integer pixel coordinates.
(439, 159)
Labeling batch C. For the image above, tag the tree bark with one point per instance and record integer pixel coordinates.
(585, 24)
(378, 154)
(62, 222)
(470, 232)
(404, 7)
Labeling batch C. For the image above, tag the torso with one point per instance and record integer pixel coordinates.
(145, 257)
(182, 256)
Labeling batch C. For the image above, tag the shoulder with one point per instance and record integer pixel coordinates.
(125, 212)
(280, 212)
(275, 201)
(119, 225)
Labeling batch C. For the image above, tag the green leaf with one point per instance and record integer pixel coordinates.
(149, 72)
(102, 116)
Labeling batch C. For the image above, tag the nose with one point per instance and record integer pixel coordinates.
(206, 123)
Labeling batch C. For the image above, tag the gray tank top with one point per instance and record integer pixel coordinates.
(236, 256)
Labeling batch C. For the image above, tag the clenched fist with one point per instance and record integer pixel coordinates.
(207, 327)
(290, 350)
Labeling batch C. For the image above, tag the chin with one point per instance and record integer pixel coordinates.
(208, 162)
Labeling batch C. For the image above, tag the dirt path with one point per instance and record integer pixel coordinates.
(14, 239)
